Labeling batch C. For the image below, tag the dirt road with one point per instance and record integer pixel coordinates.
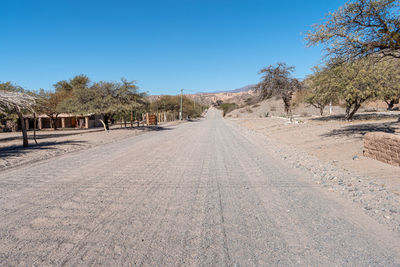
(201, 193)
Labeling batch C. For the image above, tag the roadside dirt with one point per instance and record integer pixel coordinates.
(338, 142)
(54, 143)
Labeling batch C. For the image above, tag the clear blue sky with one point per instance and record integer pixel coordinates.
(203, 45)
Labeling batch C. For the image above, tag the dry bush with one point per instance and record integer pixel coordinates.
(251, 100)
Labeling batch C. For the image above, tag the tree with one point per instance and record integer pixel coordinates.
(321, 90)
(391, 97)
(105, 98)
(128, 99)
(13, 99)
(49, 103)
(388, 81)
(358, 29)
(277, 81)
(97, 98)
(191, 108)
(356, 82)
(78, 82)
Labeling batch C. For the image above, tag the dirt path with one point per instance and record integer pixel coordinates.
(200, 193)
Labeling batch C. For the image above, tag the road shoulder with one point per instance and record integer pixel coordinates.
(377, 199)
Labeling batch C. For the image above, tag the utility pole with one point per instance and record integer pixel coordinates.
(181, 112)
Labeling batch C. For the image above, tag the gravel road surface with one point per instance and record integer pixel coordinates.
(196, 194)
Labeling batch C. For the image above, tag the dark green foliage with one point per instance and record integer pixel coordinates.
(227, 107)
(191, 108)
(110, 99)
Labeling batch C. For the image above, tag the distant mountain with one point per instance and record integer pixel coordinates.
(239, 90)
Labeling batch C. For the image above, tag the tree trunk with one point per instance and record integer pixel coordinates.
(286, 102)
(25, 142)
(321, 110)
(350, 114)
(131, 119)
(390, 104)
(287, 98)
(55, 123)
(105, 123)
(348, 108)
(34, 127)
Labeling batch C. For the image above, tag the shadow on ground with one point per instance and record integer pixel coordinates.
(360, 130)
(50, 134)
(18, 150)
(59, 133)
(360, 116)
(142, 128)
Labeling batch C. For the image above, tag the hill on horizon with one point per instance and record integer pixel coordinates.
(238, 90)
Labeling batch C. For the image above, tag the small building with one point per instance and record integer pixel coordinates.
(64, 120)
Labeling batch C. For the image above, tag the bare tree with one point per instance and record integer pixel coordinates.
(358, 29)
(277, 81)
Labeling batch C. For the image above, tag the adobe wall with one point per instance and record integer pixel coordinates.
(382, 146)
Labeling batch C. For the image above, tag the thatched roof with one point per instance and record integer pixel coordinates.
(10, 100)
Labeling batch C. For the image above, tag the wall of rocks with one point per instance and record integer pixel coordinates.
(384, 147)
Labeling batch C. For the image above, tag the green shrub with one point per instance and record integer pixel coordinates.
(227, 107)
